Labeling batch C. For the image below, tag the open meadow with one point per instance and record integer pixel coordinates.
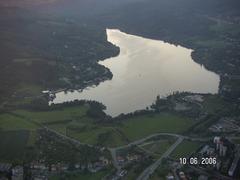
(145, 125)
(75, 122)
(185, 149)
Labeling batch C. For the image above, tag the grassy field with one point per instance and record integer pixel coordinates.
(11, 122)
(185, 149)
(32, 138)
(16, 134)
(73, 122)
(142, 126)
(68, 113)
(93, 134)
(64, 125)
(132, 129)
(12, 145)
(158, 147)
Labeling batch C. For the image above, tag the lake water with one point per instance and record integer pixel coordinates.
(144, 69)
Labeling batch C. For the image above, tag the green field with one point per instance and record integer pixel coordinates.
(76, 124)
(185, 149)
(85, 130)
(64, 125)
(16, 134)
(12, 145)
(11, 122)
(73, 122)
(93, 134)
(64, 114)
(32, 138)
(142, 126)
(158, 147)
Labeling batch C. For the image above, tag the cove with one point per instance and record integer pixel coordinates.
(144, 69)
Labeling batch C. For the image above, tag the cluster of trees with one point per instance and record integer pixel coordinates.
(132, 114)
(161, 104)
(54, 150)
(96, 110)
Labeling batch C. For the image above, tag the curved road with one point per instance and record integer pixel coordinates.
(149, 170)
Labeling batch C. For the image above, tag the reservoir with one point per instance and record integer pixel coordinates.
(144, 69)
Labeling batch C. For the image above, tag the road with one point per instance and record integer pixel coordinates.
(114, 150)
(149, 170)
(76, 142)
(140, 141)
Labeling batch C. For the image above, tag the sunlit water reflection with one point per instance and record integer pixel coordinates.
(144, 69)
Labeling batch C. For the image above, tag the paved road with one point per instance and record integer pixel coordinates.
(140, 141)
(149, 170)
(114, 150)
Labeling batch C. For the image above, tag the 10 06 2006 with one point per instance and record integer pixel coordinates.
(200, 161)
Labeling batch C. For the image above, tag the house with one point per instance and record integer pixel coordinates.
(5, 170)
(104, 161)
(194, 98)
(17, 173)
(182, 175)
(39, 166)
(120, 159)
(170, 177)
(133, 157)
(5, 167)
(77, 166)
